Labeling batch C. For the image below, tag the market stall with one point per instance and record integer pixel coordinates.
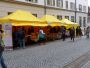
(69, 25)
(26, 20)
(53, 24)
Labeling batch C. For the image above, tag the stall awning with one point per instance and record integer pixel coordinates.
(21, 15)
(22, 23)
(51, 20)
(69, 23)
(66, 21)
(23, 18)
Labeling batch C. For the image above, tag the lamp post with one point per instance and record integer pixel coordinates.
(75, 10)
(45, 7)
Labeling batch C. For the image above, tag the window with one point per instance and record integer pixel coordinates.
(49, 2)
(35, 15)
(84, 21)
(72, 6)
(60, 3)
(80, 21)
(67, 17)
(53, 2)
(80, 7)
(66, 4)
(84, 8)
(72, 18)
(35, 1)
(59, 17)
(10, 13)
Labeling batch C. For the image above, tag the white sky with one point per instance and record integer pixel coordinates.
(89, 2)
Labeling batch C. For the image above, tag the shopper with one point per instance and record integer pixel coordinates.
(41, 36)
(15, 39)
(87, 32)
(63, 31)
(21, 37)
(72, 33)
(77, 32)
(3, 65)
(80, 31)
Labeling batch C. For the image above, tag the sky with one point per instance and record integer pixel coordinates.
(89, 2)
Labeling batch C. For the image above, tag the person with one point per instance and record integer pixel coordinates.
(41, 36)
(80, 31)
(87, 32)
(21, 37)
(63, 31)
(30, 31)
(77, 32)
(15, 39)
(72, 33)
(3, 65)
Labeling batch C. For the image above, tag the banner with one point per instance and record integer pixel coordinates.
(7, 37)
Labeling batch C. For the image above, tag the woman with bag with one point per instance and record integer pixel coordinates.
(41, 37)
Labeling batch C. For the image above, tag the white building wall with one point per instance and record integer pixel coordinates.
(10, 7)
(82, 2)
(40, 2)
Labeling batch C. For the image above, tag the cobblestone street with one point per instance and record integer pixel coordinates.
(56, 54)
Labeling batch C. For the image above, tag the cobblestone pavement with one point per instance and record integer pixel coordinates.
(56, 54)
(87, 65)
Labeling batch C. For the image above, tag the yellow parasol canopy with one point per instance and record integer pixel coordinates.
(21, 15)
(4, 20)
(66, 21)
(21, 23)
(23, 18)
(51, 20)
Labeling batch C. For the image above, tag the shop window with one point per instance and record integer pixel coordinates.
(59, 17)
(35, 15)
(72, 18)
(67, 17)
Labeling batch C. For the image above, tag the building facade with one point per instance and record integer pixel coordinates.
(59, 8)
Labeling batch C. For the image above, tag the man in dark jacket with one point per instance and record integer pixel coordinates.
(72, 33)
(63, 31)
(21, 37)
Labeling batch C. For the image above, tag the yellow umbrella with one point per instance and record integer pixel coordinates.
(20, 15)
(21, 23)
(23, 18)
(76, 25)
(4, 20)
(66, 21)
(51, 20)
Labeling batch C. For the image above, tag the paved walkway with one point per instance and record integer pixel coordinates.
(56, 54)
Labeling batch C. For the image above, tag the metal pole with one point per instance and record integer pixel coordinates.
(75, 10)
(45, 7)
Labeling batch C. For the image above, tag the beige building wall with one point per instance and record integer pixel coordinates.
(6, 7)
(9, 7)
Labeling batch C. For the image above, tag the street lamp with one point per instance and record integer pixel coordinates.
(75, 10)
(45, 7)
